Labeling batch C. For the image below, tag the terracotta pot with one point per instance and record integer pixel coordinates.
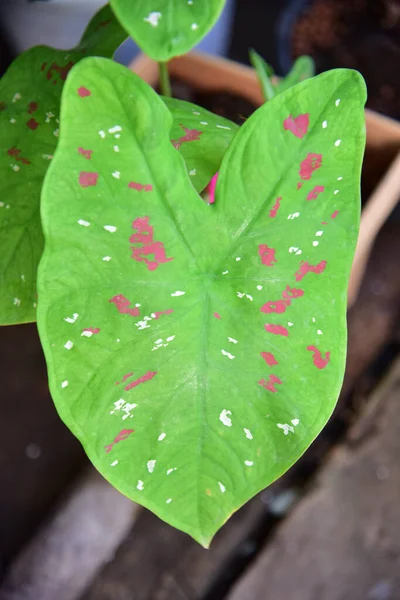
(208, 73)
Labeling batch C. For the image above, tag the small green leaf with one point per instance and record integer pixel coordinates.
(201, 137)
(30, 93)
(264, 73)
(303, 68)
(195, 350)
(164, 29)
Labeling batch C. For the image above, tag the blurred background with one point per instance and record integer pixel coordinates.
(330, 528)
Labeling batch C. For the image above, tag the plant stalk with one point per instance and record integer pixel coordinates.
(165, 83)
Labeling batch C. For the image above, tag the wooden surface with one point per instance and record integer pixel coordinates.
(343, 540)
(64, 557)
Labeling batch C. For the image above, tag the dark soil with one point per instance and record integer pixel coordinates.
(358, 34)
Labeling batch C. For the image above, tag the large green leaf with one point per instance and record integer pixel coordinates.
(201, 137)
(196, 350)
(30, 93)
(164, 29)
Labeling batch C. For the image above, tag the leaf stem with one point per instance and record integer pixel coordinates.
(165, 83)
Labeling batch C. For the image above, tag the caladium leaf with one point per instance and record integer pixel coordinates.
(197, 350)
(164, 29)
(30, 93)
(303, 68)
(201, 137)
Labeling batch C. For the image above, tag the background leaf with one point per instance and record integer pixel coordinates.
(164, 29)
(264, 73)
(303, 68)
(196, 350)
(201, 137)
(30, 93)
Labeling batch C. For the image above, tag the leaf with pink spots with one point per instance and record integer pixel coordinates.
(30, 95)
(221, 329)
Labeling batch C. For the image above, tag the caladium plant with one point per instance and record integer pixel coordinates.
(195, 349)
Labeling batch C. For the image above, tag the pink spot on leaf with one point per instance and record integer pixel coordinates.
(61, 71)
(83, 92)
(149, 375)
(42, 68)
(211, 189)
(217, 316)
(147, 187)
(279, 306)
(300, 184)
(88, 179)
(144, 236)
(92, 330)
(124, 378)
(298, 125)
(144, 233)
(15, 152)
(163, 312)
(267, 255)
(319, 361)
(32, 107)
(305, 268)
(123, 435)
(276, 329)
(191, 135)
(275, 208)
(270, 384)
(32, 124)
(334, 214)
(269, 358)
(122, 305)
(311, 163)
(86, 153)
(313, 195)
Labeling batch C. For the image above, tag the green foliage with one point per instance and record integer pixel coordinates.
(30, 93)
(195, 350)
(264, 73)
(201, 137)
(164, 29)
(303, 68)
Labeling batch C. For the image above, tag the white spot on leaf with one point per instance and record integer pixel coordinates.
(110, 228)
(248, 463)
(150, 465)
(228, 354)
(225, 417)
(64, 384)
(162, 437)
(248, 433)
(83, 223)
(68, 345)
(222, 487)
(153, 18)
(140, 485)
(177, 293)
